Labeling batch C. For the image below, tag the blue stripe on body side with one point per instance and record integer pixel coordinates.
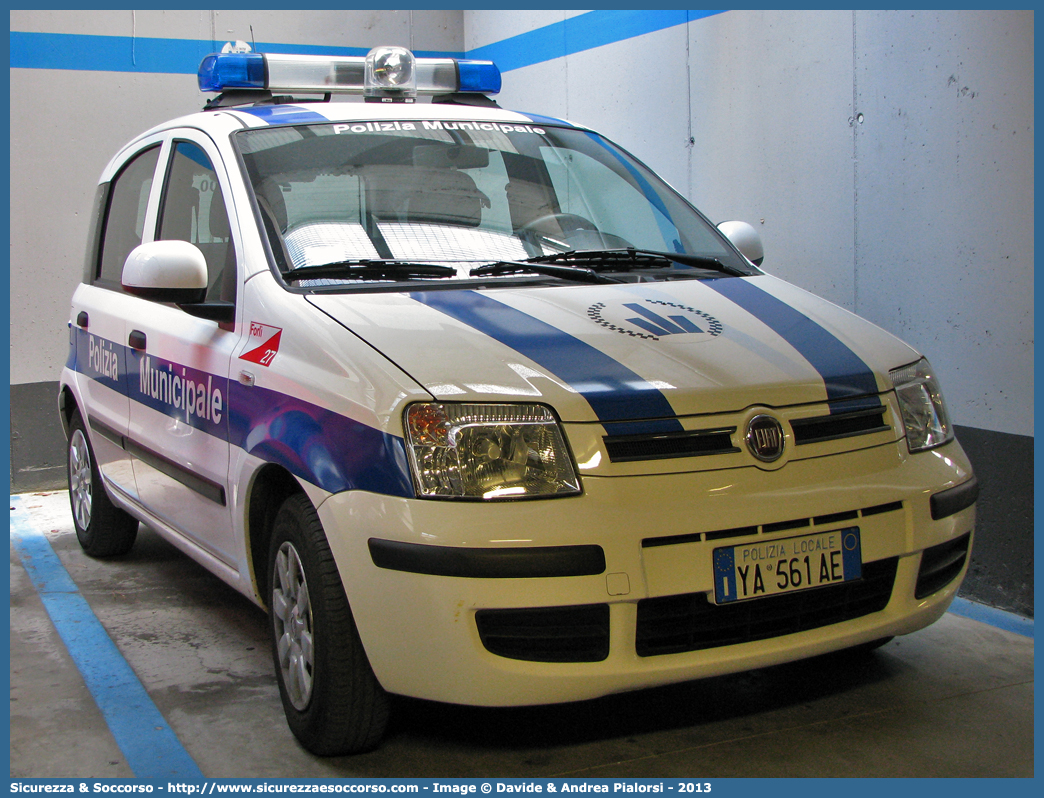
(614, 392)
(844, 373)
(332, 451)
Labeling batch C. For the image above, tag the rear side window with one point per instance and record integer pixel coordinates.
(193, 210)
(125, 221)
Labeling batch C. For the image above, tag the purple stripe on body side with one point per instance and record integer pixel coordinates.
(327, 449)
(316, 444)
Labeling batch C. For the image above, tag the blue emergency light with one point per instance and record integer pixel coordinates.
(384, 73)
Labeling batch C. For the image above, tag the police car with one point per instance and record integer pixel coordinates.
(480, 409)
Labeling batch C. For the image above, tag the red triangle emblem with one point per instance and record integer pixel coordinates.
(264, 355)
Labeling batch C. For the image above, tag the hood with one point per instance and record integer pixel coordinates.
(627, 352)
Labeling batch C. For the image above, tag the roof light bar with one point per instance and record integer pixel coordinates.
(390, 70)
(386, 74)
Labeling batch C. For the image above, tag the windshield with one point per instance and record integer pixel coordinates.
(460, 194)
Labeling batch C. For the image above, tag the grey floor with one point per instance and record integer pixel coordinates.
(954, 700)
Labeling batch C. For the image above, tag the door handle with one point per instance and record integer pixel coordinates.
(137, 340)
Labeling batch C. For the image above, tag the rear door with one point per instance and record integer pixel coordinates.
(99, 354)
(178, 430)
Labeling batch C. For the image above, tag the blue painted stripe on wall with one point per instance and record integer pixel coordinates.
(76, 51)
(150, 746)
(583, 32)
(107, 53)
(138, 54)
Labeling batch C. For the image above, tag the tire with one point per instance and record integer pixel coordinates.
(102, 528)
(332, 700)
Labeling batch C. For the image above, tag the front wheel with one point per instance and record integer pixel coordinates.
(102, 528)
(332, 700)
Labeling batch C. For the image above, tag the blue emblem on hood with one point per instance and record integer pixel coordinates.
(653, 319)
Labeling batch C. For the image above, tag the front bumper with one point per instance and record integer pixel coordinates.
(423, 577)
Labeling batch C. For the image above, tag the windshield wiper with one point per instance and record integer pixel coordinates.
(538, 266)
(365, 269)
(628, 258)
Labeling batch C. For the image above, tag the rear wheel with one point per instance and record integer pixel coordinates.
(102, 528)
(332, 700)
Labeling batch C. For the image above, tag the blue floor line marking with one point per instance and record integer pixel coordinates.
(150, 746)
(1002, 620)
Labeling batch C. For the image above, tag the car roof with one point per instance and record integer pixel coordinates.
(267, 115)
(221, 122)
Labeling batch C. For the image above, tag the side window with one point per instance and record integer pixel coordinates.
(193, 210)
(125, 220)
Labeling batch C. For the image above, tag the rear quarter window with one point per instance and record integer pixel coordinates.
(125, 216)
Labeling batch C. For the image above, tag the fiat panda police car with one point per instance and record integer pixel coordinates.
(480, 409)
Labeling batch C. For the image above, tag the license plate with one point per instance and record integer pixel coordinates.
(768, 568)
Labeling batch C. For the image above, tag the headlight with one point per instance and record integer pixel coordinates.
(921, 403)
(488, 451)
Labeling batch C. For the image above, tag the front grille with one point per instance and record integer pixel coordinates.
(861, 420)
(841, 425)
(628, 448)
(940, 565)
(674, 624)
(547, 634)
(777, 526)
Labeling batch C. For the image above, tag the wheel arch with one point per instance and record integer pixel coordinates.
(271, 486)
(67, 405)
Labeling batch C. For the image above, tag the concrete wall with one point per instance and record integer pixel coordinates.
(886, 158)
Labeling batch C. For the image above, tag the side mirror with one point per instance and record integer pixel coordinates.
(746, 239)
(166, 271)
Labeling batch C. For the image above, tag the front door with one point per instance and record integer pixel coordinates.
(178, 431)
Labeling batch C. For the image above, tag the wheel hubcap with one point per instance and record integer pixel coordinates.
(292, 614)
(80, 487)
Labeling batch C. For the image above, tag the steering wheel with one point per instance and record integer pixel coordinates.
(567, 223)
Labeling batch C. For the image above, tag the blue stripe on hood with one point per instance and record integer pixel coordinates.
(842, 370)
(614, 392)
